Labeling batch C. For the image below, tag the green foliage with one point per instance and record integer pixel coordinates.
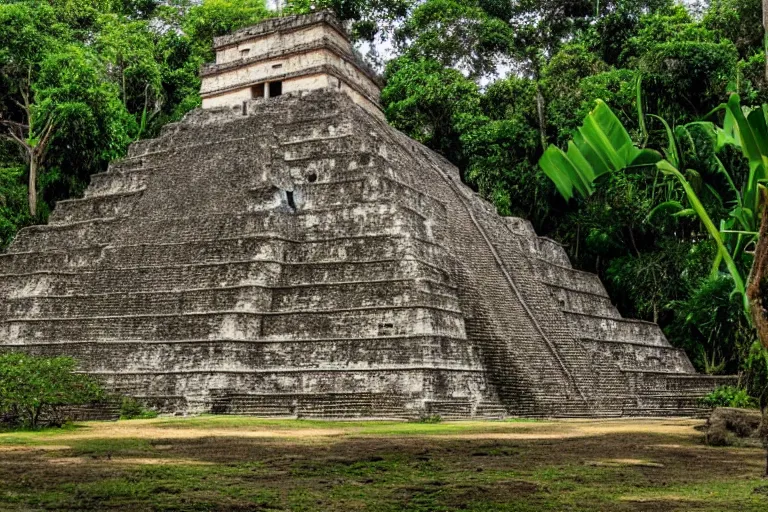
(728, 396)
(739, 21)
(751, 79)
(713, 327)
(13, 203)
(431, 419)
(34, 388)
(602, 145)
(213, 18)
(369, 18)
(455, 33)
(129, 48)
(92, 125)
(430, 103)
(132, 409)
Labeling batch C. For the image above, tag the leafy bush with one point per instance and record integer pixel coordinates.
(432, 418)
(728, 396)
(36, 389)
(132, 409)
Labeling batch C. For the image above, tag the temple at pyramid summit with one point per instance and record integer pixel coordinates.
(282, 251)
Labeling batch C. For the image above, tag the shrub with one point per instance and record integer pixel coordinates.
(132, 409)
(432, 418)
(728, 396)
(33, 389)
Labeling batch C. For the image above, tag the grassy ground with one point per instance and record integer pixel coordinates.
(235, 463)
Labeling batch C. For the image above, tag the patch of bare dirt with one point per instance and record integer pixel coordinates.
(34, 448)
(587, 428)
(159, 462)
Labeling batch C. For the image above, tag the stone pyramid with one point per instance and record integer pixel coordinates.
(297, 256)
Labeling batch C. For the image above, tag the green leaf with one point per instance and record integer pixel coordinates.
(671, 152)
(696, 205)
(600, 146)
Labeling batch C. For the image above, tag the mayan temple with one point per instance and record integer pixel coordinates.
(283, 251)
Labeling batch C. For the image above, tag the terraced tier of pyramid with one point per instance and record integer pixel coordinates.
(307, 259)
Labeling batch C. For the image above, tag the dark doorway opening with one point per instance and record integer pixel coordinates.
(275, 89)
(289, 196)
(257, 91)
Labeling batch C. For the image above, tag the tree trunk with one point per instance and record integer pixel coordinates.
(540, 112)
(33, 184)
(765, 37)
(757, 274)
(763, 433)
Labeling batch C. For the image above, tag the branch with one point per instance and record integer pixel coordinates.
(42, 146)
(14, 123)
(12, 136)
(25, 107)
(25, 93)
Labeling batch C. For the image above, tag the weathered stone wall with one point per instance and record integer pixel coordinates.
(306, 259)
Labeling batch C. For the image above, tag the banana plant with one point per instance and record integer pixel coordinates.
(603, 145)
(600, 146)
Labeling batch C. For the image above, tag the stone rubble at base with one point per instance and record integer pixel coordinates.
(297, 256)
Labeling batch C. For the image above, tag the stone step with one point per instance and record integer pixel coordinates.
(215, 275)
(246, 298)
(364, 189)
(186, 140)
(392, 379)
(99, 411)
(312, 128)
(665, 405)
(585, 303)
(564, 277)
(657, 382)
(320, 147)
(367, 219)
(124, 165)
(142, 279)
(638, 356)
(94, 207)
(365, 322)
(390, 293)
(258, 247)
(350, 272)
(226, 325)
(367, 248)
(118, 182)
(341, 323)
(332, 167)
(189, 355)
(36, 261)
(616, 329)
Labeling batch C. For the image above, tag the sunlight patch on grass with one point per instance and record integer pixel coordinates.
(624, 462)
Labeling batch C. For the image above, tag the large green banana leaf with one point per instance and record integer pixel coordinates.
(600, 146)
(750, 133)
